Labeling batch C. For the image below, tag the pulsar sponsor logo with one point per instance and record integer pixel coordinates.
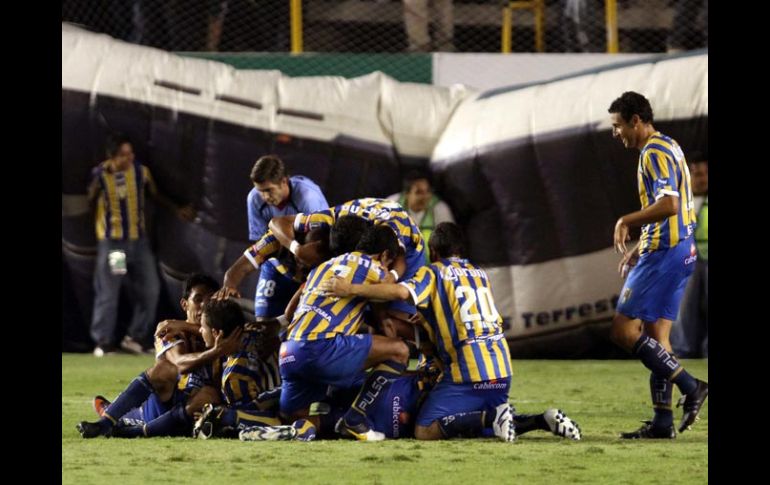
(571, 313)
(490, 385)
(370, 396)
(370, 213)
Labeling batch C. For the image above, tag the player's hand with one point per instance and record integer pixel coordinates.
(226, 292)
(621, 236)
(227, 345)
(167, 326)
(336, 286)
(628, 261)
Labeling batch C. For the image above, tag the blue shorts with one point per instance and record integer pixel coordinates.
(274, 290)
(311, 369)
(153, 407)
(655, 286)
(451, 398)
(393, 414)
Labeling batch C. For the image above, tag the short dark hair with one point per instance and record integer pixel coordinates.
(198, 279)
(268, 168)
(225, 315)
(630, 104)
(413, 176)
(320, 234)
(377, 239)
(697, 156)
(448, 240)
(114, 142)
(346, 233)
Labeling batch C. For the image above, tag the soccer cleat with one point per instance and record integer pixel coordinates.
(692, 403)
(268, 433)
(100, 404)
(562, 425)
(503, 425)
(360, 431)
(208, 424)
(306, 431)
(648, 431)
(90, 430)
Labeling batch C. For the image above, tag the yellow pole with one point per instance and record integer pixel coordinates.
(611, 9)
(506, 31)
(296, 26)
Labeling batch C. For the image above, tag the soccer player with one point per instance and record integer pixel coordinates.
(322, 348)
(280, 273)
(375, 211)
(455, 300)
(660, 267)
(162, 400)
(276, 194)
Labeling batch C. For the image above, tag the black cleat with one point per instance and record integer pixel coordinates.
(648, 431)
(90, 430)
(692, 403)
(209, 425)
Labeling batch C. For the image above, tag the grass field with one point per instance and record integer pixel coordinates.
(604, 397)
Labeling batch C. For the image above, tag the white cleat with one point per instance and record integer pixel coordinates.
(503, 425)
(562, 425)
(268, 433)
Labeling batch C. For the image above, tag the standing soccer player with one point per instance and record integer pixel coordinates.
(660, 267)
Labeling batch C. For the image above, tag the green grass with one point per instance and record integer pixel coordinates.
(603, 396)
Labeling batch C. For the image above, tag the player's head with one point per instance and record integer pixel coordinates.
(381, 243)
(318, 240)
(270, 179)
(629, 114)
(447, 240)
(418, 190)
(196, 291)
(224, 315)
(120, 151)
(698, 165)
(345, 234)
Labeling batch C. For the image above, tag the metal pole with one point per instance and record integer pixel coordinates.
(296, 26)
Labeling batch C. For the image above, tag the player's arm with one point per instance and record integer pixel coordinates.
(291, 307)
(171, 327)
(184, 212)
(187, 362)
(383, 291)
(93, 189)
(235, 274)
(282, 228)
(663, 208)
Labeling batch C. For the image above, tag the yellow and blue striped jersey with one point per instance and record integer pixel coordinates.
(196, 378)
(247, 373)
(378, 211)
(321, 316)
(455, 300)
(663, 171)
(120, 205)
(261, 250)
